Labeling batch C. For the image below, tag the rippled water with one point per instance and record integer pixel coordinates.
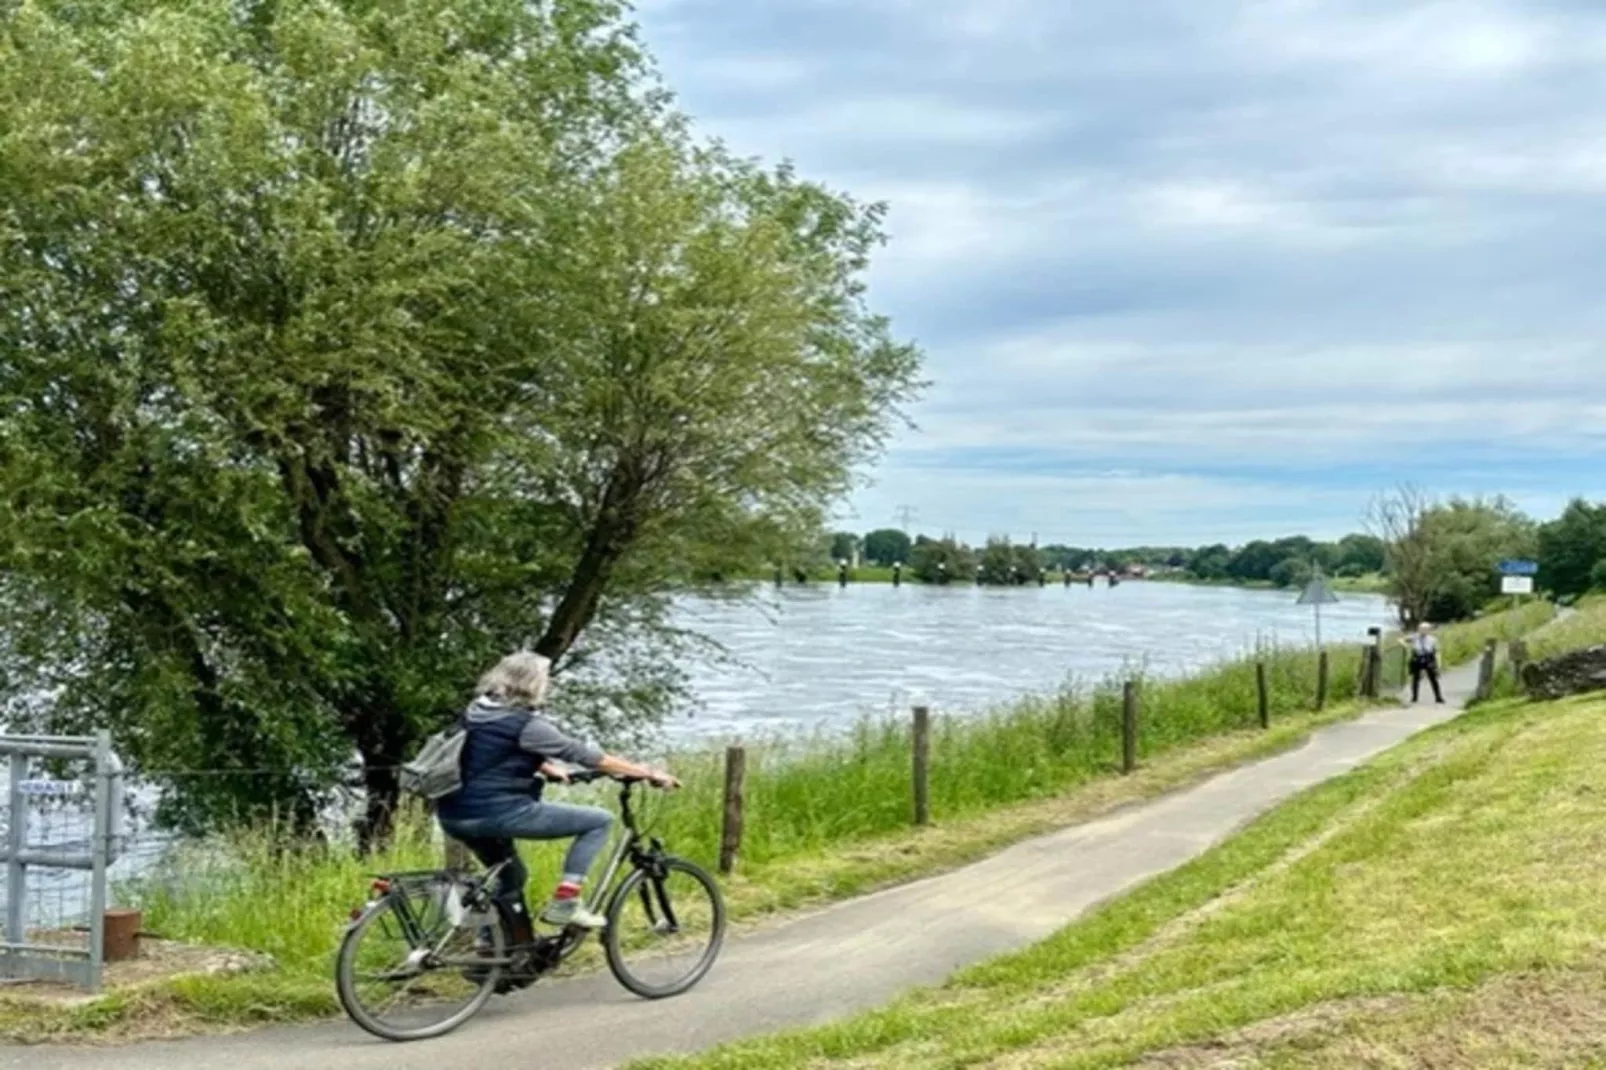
(811, 657)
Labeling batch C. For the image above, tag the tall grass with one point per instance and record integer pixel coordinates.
(263, 890)
(804, 796)
(824, 791)
(1465, 641)
(1584, 627)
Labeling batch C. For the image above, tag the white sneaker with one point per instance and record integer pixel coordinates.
(566, 912)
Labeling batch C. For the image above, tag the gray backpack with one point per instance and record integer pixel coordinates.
(437, 771)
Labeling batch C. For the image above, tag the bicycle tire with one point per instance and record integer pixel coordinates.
(614, 934)
(357, 1010)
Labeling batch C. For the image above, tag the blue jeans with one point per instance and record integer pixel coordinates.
(491, 839)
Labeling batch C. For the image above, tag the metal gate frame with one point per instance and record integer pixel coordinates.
(18, 958)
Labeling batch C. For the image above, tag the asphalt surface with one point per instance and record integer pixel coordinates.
(810, 969)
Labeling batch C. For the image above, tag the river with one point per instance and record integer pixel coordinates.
(817, 657)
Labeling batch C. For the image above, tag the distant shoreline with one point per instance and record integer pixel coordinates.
(1348, 584)
(876, 574)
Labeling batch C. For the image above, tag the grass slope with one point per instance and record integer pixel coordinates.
(1441, 906)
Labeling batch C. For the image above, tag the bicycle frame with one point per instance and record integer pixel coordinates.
(628, 849)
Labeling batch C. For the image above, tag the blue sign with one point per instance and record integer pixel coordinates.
(1518, 568)
(59, 789)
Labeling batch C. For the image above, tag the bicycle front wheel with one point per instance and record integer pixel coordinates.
(664, 929)
(406, 972)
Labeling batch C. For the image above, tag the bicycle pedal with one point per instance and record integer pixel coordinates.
(515, 982)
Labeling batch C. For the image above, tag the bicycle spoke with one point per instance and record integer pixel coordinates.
(665, 930)
(404, 988)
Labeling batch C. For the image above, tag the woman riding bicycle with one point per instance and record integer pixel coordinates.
(509, 752)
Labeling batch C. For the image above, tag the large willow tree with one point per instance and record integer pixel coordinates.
(348, 344)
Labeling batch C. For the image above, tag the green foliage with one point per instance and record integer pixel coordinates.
(1253, 562)
(1572, 550)
(1004, 564)
(1442, 556)
(844, 544)
(1060, 558)
(887, 547)
(1211, 562)
(1358, 555)
(348, 347)
(942, 561)
(1466, 540)
(1290, 572)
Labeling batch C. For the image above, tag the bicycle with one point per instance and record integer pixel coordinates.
(455, 940)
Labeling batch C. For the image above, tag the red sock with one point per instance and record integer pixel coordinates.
(567, 890)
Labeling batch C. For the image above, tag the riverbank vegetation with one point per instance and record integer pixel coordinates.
(826, 817)
(1438, 906)
(348, 348)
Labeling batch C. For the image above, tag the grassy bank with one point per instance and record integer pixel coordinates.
(1439, 906)
(827, 817)
(1371, 583)
(1583, 626)
(1464, 641)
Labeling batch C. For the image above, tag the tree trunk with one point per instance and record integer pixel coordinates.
(381, 738)
(610, 535)
(382, 793)
(580, 599)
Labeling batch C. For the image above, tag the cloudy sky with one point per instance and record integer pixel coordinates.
(1189, 270)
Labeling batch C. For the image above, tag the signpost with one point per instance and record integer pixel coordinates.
(1318, 594)
(1517, 576)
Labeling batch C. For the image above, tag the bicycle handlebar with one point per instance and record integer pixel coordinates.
(591, 776)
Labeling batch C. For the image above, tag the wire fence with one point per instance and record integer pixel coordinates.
(48, 807)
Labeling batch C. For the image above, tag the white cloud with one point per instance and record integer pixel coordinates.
(1298, 235)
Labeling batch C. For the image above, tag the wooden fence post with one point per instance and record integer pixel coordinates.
(1321, 680)
(1486, 670)
(1129, 726)
(1263, 700)
(1375, 686)
(730, 841)
(922, 765)
(1519, 659)
(1365, 679)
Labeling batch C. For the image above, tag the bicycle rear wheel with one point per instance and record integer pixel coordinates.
(665, 927)
(405, 971)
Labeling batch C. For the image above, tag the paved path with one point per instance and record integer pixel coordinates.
(845, 958)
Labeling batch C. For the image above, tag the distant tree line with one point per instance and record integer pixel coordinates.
(1283, 562)
(1437, 560)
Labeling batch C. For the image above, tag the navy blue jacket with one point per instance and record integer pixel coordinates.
(506, 744)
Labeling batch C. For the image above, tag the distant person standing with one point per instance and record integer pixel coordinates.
(1424, 647)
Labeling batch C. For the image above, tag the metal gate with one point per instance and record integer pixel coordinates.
(63, 821)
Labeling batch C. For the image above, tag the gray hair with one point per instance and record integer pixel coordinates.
(521, 678)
